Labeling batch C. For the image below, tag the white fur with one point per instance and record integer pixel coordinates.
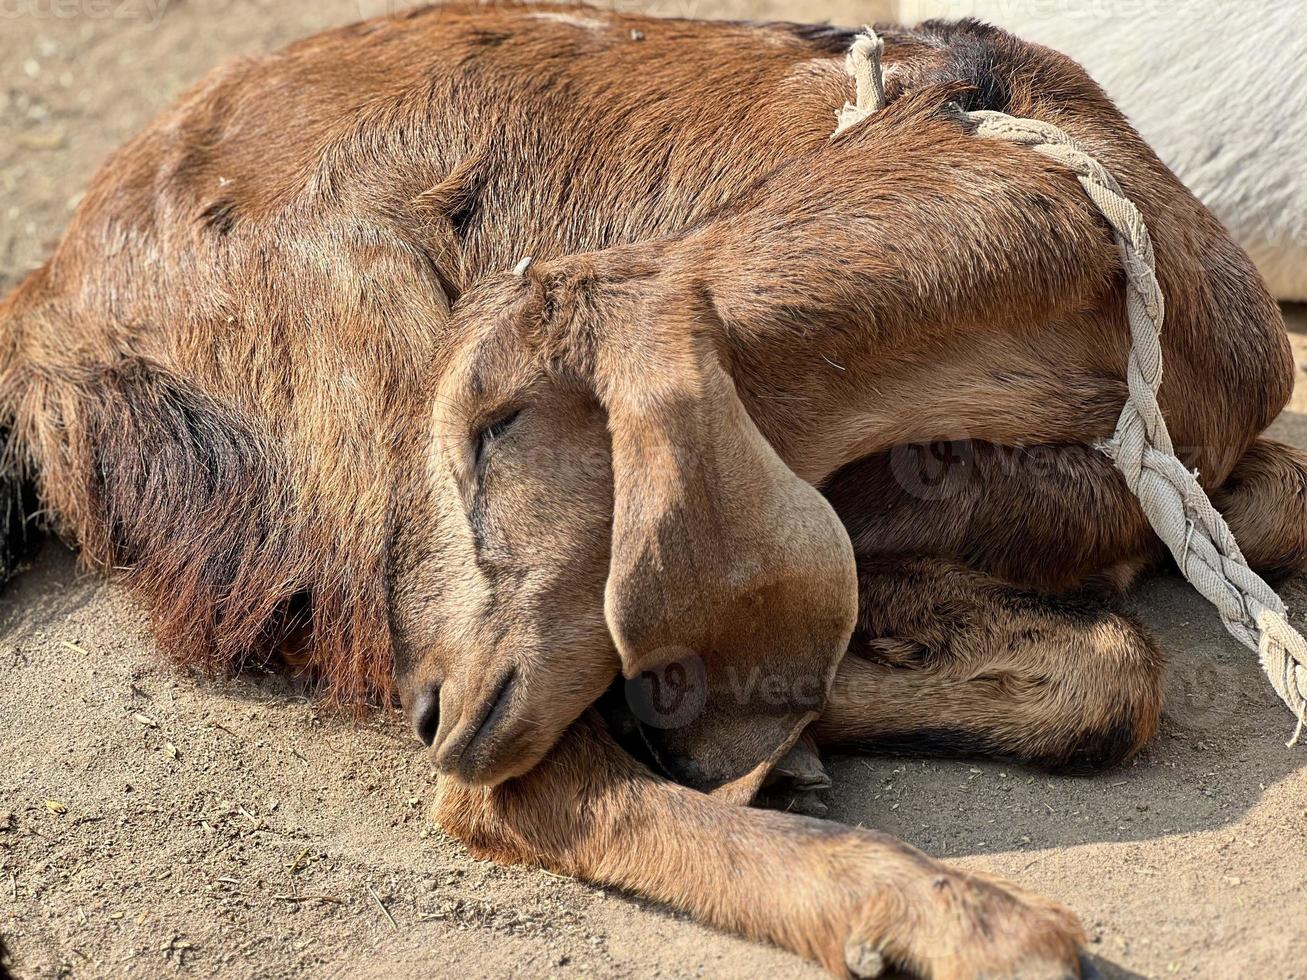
(1219, 88)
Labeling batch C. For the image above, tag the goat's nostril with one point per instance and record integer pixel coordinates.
(426, 715)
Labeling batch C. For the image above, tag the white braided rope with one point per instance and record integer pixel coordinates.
(863, 63)
(1172, 499)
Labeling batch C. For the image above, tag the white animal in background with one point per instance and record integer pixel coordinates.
(1219, 89)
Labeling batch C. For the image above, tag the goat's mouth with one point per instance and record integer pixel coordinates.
(469, 751)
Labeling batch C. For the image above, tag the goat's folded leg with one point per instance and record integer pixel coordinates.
(1265, 501)
(853, 900)
(950, 660)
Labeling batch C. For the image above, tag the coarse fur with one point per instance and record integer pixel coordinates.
(1221, 98)
(288, 390)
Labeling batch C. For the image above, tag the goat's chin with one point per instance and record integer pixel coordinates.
(514, 734)
(520, 748)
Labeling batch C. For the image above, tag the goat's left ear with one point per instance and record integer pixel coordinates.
(732, 590)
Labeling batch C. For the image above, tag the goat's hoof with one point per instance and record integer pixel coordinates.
(797, 782)
(801, 769)
(973, 927)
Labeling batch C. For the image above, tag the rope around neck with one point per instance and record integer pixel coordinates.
(1172, 499)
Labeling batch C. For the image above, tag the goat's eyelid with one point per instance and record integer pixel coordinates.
(491, 431)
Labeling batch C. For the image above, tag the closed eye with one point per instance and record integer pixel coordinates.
(491, 432)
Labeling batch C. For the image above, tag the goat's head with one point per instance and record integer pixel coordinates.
(595, 498)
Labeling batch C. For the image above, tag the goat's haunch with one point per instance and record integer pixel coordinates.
(1176, 505)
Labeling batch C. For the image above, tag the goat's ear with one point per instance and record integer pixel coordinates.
(732, 590)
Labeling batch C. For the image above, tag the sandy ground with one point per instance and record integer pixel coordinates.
(157, 824)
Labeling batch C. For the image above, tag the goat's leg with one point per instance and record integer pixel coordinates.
(1055, 518)
(849, 899)
(961, 646)
(964, 648)
(1265, 501)
(951, 657)
(1052, 518)
(946, 659)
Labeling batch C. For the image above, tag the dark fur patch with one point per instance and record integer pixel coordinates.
(189, 500)
(1091, 752)
(826, 38)
(220, 216)
(1084, 608)
(944, 743)
(457, 198)
(194, 508)
(18, 504)
(1095, 751)
(978, 58)
(463, 212)
(487, 39)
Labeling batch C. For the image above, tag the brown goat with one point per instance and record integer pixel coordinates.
(277, 375)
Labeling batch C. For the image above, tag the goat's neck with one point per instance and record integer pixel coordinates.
(795, 338)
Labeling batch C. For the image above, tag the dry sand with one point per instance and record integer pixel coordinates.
(156, 824)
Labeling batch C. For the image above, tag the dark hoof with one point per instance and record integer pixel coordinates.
(800, 770)
(797, 782)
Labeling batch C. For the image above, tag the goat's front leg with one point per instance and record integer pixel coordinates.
(853, 900)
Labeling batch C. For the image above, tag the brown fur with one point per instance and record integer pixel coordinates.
(275, 375)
